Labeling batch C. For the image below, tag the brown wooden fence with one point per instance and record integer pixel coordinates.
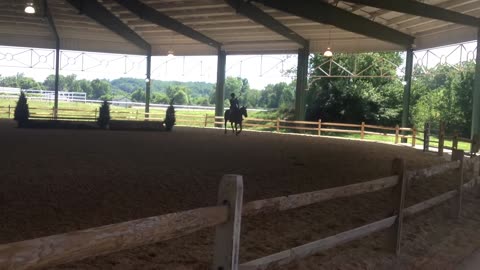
(320, 128)
(226, 217)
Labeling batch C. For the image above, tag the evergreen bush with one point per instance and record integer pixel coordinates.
(170, 117)
(22, 112)
(104, 115)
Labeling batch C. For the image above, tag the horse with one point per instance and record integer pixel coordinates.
(237, 119)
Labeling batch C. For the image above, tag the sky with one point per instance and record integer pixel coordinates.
(260, 70)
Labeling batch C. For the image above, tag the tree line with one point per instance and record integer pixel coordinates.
(184, 93)
(441, 93)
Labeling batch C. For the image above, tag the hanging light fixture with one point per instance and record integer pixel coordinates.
(170, 54)
(328, 52)
(29, 8)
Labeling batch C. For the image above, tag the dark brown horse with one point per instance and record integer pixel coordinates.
(236, 118)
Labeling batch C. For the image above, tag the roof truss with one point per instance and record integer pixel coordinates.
(259, 16)
(325, 13)
(152, 15)
(100, 14)
(420, 9)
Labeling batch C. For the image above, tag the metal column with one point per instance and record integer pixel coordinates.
(148, 82)
(476, 93)
(407, 89)
(220, 90)
(302, 74)
(51, 23)
(57, 75)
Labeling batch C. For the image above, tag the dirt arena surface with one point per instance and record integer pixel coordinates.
(55, 181)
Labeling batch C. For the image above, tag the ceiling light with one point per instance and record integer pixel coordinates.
(328, 53)
(29, 8)
(170, 54)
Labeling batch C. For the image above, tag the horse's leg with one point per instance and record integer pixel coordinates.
(225, 125)
(231, 124)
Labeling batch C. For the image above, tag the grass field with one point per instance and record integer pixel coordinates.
(184, 118)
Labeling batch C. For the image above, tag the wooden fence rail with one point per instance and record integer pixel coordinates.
(226, 217)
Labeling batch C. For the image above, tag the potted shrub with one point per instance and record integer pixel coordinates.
(22, 113)
(170, 117)
(104, 115)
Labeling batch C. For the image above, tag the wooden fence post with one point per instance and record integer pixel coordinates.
(278, 124)
(362, 131)
(227, 235)
(96, 113)
(414, 136)
(398, 168)
(206, 119)
(455, 141)
(458, 155)
(397, 131)
(319, 127)
(441, 139)
(426, 137)
(9, 111)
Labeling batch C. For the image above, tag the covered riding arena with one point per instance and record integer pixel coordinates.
(60, 181)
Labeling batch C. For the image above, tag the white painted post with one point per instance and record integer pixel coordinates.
(398, 168)
(227, 235)
(458, 155)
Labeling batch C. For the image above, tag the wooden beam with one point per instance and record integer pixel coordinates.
(259, 16)
(152, 15)
(303, 199)
(420, 9)
(325, 13)
(303, 251)
(73, 246)
(431, 171)
(100, 14)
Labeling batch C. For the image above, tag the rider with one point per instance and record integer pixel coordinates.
(234, 106)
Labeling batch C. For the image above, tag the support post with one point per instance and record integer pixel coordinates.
(148, 84)
(96, 113)
(362, 131)
(407, 89)
(426, 137)
(302, 74)
(278, 124)
(227, 235)
(206, 119)
(319, 127)
(476, 93)
(398, 168)
(220, 89)
(57, 77)
(397, 131)
(455, 141)
(9, 111)
(441, 138)
(414, 136)
(458, 155)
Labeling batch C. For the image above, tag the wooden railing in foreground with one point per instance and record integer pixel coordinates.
(362, 129)
(226, 216)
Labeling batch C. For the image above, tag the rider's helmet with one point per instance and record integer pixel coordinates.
(232, 95)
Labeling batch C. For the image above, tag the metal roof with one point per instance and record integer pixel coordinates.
(219, 21)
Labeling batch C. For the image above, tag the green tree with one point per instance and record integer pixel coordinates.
(138, 95)
(101, 89)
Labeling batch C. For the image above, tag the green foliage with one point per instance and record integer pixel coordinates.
(445, 94)
(104, 115)
(20, 81)
(170, 117)
(22, 112)
(373, 100)
(138, 95)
